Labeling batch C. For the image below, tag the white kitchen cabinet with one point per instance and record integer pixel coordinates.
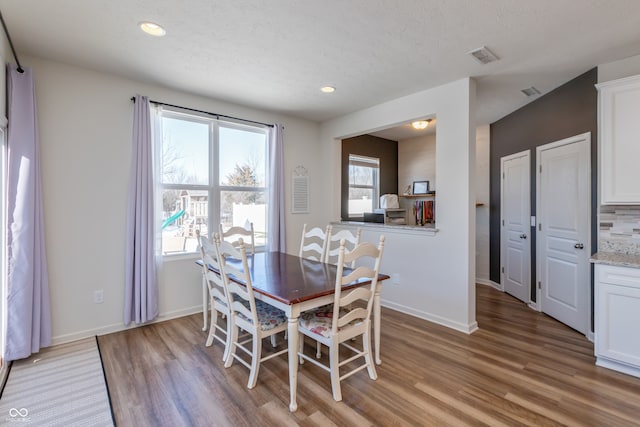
(619, 139)
(617, 317)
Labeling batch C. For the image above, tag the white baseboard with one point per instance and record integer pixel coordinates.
(466, 328)
(491, 283)
(117, 327)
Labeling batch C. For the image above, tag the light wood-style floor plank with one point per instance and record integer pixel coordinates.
(521, 368)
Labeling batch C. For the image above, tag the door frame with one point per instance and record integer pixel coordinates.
(527, 154)
(571, 140)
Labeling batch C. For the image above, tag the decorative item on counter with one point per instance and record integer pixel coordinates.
(420, 187)
(407, 192)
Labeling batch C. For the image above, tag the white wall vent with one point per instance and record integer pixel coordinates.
(531, 91)
(483, 55)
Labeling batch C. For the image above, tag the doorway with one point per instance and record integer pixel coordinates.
(563, 238)
(515, 229)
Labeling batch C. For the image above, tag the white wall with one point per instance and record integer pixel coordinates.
(438, 271)
(417, 161)
(618, 69)
(482, 196)
(85, 121)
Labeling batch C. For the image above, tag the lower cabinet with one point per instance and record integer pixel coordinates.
(617, 318)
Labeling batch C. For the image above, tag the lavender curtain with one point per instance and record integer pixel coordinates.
(277, 241)
(28, 306)
(141, 286)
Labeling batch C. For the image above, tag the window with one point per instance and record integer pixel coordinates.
(211, 172)
(364, 184)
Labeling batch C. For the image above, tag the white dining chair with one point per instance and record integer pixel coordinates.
(257, 318)
(313, 245)
(217, 294)
(331, 255)
(336, 324)
(234, 234)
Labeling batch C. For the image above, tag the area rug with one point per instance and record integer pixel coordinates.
(62, 385)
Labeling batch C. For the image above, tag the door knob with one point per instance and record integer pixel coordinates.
(523, 236)
(578, 246)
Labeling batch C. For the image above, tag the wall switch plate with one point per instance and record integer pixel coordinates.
(395, 278)
(98, 296)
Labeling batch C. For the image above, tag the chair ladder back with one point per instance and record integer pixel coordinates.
(238, 295)
(235, 233)
(365, 293)
(210, 259)
(333, 245)
(313, 245)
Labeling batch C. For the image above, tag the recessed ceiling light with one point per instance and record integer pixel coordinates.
(152, 29)
(328, 89)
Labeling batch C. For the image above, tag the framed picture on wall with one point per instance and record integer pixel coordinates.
(420, 187)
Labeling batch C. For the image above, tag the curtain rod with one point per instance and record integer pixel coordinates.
(6, 31)
(205, 112)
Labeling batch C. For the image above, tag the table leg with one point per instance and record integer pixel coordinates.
(293, 361)
(205, 300)
(376, 324)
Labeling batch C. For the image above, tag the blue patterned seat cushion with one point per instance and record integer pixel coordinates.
(269, 316)
(320, 320)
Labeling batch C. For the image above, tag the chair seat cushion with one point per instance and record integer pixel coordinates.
(269, 316)
(320, 320)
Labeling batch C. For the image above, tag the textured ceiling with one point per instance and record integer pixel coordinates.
(276, 54)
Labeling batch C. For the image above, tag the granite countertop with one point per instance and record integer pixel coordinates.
(613, 258)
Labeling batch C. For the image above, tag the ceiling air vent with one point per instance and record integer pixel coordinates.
(531, 91)
(483, 55)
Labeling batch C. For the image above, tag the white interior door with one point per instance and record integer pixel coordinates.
(563, 208)
(514, 237)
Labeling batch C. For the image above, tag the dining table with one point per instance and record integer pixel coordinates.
(294, 285)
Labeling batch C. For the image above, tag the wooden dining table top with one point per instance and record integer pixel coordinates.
(291, 279)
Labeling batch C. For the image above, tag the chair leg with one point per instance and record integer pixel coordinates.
(212, 326)
(255, 360)
(273, 340)
(366, 347)
(233, 341)
(300, 348)
(228, 341)
(335, 372)
(318, 350)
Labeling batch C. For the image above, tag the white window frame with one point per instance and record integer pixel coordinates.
(364, 161)
(213, 187)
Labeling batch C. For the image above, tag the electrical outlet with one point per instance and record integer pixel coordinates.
(395, 278)
(98, 296)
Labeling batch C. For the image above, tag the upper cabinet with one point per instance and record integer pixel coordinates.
(619, 138)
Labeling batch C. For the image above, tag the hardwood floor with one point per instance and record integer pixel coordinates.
(520, 368)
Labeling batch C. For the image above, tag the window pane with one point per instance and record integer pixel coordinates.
(185, 152)
(360, 201)
(360, 175)
(238, 208)
(183, 212)
(242, 158)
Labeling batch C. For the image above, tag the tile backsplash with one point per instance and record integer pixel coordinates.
(619, 229)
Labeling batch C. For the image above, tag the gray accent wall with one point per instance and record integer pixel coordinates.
(372, 146)
(568, 110)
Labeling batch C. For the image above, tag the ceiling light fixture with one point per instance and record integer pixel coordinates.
(421, 124)
(152, 29)
(328, 89)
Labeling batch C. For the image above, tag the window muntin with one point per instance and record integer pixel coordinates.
(211, 172)
(364, 184)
